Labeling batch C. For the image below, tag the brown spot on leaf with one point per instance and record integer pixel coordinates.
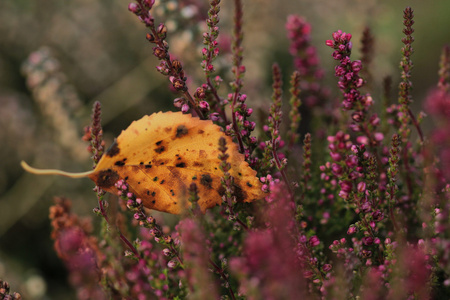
(119, 163)
(239, 193)
(197, 164)
(175, 172)
(158, 143)
(206, 180)
(107, 178)
(160, 149)
(201, 131)
(180, 165)
(181, 131)
(202, 154)
(113, 150)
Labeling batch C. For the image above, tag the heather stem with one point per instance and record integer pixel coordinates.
(294, 114)
(194, 105)
(210, 52)
(405, 86)
(169, 67)
(238, 69)
(96, 134)
(392, 187)
(274, 124)
(306, 163)
(224, 277)
(367, 49)
(100, 194)
(227, 184)
(444, 70)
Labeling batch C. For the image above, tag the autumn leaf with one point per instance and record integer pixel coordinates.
(160, 155)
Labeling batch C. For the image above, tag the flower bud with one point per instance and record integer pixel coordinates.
(176, 64)
(351, 230)
(185, 108)
(134, 8)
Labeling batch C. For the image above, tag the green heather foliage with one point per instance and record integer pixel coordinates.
(357, 196)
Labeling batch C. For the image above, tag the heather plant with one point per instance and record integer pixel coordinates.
(357, 207)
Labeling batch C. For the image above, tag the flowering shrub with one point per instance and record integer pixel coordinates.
(363, 214)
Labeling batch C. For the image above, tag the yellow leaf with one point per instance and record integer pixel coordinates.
(160, 155)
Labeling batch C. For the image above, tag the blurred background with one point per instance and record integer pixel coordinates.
(58, 57)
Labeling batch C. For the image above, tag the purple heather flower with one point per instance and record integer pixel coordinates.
(377, 215)
(171, 264)
(204, 105)
(185, 108)
(314, 241)
(361, 187)
(133, 7)
(336, 169)
(351, 230)
(367, 240)
(346, 186)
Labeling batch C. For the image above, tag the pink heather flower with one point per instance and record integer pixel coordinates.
(351, 161)
(438, 103)
(351, 230)
(204, 105)
(314, 241)
(378, 136)
(362, 140)
(327, 268)
(367, 240)
(346, 186)
(133, 7)
(171, 264)
(377, 215)
(214, 117)
(336, 156)
(185, 108)
(336, 169)
(266, 250)
(361, 187)
(343, 194)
